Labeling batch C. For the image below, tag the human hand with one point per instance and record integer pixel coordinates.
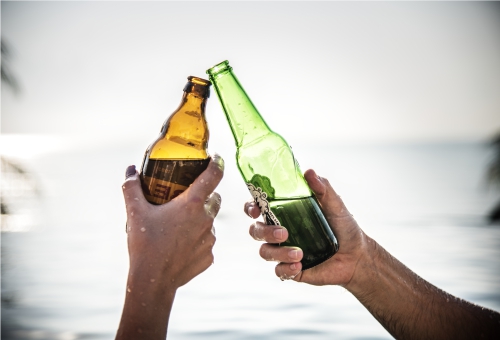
(168, 245)
(172, 243)
(339, 269)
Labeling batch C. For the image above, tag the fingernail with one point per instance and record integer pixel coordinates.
(247, 209)
(130, 171)
(252, 209)
(278, 233)
(295, 253)
(218, 160)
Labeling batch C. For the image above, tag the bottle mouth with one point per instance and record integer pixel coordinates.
(218, 69)
(199, 86)
(199, 81)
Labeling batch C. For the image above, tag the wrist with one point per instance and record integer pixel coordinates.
(365, 270)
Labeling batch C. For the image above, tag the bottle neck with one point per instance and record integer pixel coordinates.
(191, 101)
(245, 121)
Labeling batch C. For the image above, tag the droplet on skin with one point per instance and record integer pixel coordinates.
(173, 280)
(152, 280)
(202, 180)
(129, 290)
(166, 260)
(132, 213)
(202, 241)
(143, 229)
(136, 199)
(143, 304)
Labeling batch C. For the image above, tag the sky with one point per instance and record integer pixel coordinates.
(358, 72)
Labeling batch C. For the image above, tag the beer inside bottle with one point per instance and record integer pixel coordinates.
(272, 174)
(179, 154)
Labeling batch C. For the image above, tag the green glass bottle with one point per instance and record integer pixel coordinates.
(272, 174)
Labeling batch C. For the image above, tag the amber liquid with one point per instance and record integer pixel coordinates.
(163, 180)
(307, 229)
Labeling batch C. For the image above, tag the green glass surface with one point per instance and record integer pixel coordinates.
(310, 231)
(266, 160)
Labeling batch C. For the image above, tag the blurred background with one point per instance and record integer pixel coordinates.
(396, 103)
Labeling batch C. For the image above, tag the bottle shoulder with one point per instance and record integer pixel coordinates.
(181, 139)
(266, 140)
(270, 160)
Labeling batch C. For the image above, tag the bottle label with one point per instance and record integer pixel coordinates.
(163, 180)
(260, 197)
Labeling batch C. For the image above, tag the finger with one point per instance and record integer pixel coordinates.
(272, 252)
(330, 202)
(132, 191)
(208, 180)
(269, 233)
(252, 209)
(288, 271)
(212, 205)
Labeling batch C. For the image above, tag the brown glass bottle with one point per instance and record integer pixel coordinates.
(179, 154)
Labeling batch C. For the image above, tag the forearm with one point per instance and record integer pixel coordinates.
(147, 308)
(410, 307)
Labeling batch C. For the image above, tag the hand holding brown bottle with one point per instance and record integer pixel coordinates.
(168, 245)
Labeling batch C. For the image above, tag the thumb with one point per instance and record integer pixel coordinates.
(331, 203)
(132, 191)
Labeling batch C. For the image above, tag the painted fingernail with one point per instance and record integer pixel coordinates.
(131, 171)
(278, 233)
(218, 160)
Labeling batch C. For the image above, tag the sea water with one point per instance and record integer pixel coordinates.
(64, 277)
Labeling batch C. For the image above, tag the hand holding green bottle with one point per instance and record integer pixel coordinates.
(272, 174)
(337, 270)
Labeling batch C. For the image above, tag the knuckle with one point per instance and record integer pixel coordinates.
(127, 184)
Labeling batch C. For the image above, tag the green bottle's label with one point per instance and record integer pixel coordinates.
(260, 197)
